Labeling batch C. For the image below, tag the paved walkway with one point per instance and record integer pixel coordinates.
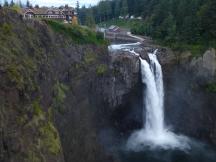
(136, 37)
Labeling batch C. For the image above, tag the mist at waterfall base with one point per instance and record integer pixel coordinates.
(155, 142)
(154, 133)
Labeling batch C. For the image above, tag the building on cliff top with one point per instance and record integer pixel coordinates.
(65, 13)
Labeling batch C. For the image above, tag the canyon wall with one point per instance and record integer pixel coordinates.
(59, 98)
(56, 93)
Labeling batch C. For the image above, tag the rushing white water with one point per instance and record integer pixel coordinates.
(154, 95)
(116, 47)
(154, 133)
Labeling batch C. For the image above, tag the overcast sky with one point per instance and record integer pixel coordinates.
(61, 2)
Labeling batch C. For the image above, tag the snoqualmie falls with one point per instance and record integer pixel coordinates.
(154, 133)
(102, 84)
(155, 141)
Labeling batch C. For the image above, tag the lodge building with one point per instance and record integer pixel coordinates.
(61, 13)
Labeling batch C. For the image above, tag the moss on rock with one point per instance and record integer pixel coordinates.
(211, 87)
(90, 58)
(50, 138)
(101, 69)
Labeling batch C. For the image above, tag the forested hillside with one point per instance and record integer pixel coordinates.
(169, 21)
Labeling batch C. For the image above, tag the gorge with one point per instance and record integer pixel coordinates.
(155, 142)
(66, 98)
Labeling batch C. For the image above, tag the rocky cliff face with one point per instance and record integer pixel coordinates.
(190, 96)
(123, 77)
(27, 132)
(59, 97)
(55, 93)
(204, 67)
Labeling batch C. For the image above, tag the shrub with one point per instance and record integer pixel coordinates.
(50, 138)
(37, 108)
(59, 92)
(59, 96)
(101, 69)
(211, 87)
(16, 8)
(15, 76)
(90, 58)
(6, 28)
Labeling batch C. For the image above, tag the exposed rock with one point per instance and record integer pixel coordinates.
(190, 107)
(57, 95)
(45, 108)
(205, 67)
(123, 77)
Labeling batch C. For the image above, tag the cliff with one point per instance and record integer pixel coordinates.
(190, 88)
(63, 94)
(57, 83)
(190, 96)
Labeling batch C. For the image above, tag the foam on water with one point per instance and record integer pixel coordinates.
(116, 47)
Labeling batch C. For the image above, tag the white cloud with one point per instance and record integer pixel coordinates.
(62, 2)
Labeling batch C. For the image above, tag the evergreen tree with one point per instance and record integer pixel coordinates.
(77, 8)
(37, 6)
(19, 3)
(184, 21)
(207, 15)
(124, 8)
(28, 4)
(89, 21)
(78, 11)
(117, 8)
(82, 15)
(6, 4)
(12, 3)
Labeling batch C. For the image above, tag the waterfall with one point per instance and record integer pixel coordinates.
(152, 76)
(154, 133)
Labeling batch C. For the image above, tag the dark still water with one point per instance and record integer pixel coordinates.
(197, 153)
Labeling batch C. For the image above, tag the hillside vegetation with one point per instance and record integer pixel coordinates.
(76, 33)
(40, 63)
(185, 24)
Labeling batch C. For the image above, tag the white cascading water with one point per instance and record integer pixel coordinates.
(154, 94)
(154, 133)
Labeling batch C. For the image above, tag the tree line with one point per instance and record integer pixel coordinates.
(189, 21)
(11, 3)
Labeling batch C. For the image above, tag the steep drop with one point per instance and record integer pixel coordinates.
(154, 133)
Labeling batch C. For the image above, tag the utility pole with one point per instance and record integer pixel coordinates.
(77, 11)
(77, 7)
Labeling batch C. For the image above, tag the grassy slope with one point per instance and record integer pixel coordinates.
(76, 33)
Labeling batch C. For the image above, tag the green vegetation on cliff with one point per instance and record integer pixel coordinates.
(211, 87)
(45, 138)
(90, 58)
(23, 57)
(41, 63)
(101, 69)
(59, 92)
(78, 34)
